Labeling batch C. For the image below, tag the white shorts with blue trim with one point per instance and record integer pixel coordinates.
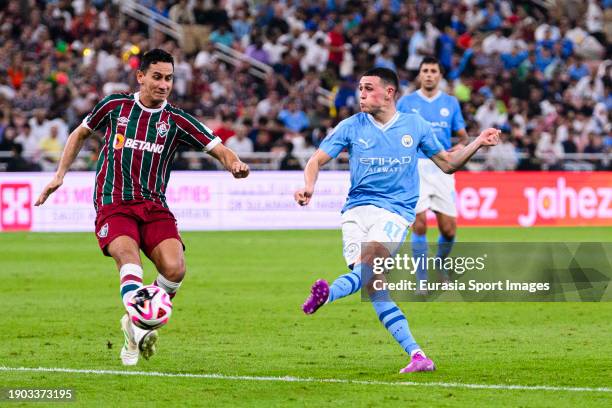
(370, 223)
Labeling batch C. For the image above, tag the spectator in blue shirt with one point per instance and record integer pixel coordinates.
(222, 36)
(293, 119)
(346, 94)
(446, 47)
(384, 59)
(514, 59)
(577, 68)
(491, 17)
(543, 59)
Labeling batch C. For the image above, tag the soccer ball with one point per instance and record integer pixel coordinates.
(150, 307)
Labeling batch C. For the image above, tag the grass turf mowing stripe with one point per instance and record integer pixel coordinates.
(310, 380)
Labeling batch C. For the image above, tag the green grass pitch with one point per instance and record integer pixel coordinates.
(238, 314)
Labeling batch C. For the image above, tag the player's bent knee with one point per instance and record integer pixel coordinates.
(372, 251)
(173, 270)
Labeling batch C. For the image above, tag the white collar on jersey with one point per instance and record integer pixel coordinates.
(433, 98)
(385, 126)
(144, 108)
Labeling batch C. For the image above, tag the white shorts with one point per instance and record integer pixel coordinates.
(370, 223)
(437, 189)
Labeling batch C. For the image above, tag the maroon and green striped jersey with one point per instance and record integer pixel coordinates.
(139, 145)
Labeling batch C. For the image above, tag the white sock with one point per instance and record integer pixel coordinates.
(167, 285)
(131, 280)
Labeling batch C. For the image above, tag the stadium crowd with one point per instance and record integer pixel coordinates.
(540, 71)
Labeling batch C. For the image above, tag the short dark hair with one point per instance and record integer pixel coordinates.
(430, 60)
(388, 76)
(153, 56)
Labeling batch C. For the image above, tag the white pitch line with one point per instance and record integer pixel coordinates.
(309, 380)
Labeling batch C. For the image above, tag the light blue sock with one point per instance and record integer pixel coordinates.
(444, 246)
(394, 320)
(419, 249)
(349, 283)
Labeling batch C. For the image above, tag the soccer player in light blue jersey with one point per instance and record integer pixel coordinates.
(437, 189)
(383, 146)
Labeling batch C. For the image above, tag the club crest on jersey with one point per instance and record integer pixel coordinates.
(162, 129)
(119, 141)
(444, 112)
(103, 231)
(407, 141)
(123, 120)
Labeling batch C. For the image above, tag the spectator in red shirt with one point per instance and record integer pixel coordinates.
(225, 130)
(336, 45)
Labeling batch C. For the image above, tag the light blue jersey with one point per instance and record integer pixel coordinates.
(382, 159)
(443, 113)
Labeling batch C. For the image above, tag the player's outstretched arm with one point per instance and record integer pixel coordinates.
(230, 161)
(74, 144)
(451, 161)
(463, 141)
(311, 173)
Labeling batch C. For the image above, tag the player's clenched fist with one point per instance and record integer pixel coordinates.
(489, 137)
(239, 169)
(302, 196)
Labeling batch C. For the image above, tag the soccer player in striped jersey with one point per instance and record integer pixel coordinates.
(383, 145)
(437, 190)
(142, 132)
